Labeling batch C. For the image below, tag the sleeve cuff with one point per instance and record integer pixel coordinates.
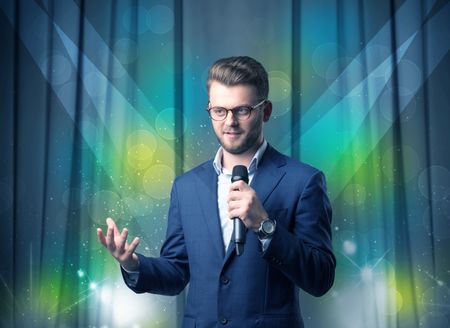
(131, 277)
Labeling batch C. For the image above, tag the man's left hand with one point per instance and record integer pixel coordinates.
(243, 203)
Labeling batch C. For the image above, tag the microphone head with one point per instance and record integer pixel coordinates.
(239, 173)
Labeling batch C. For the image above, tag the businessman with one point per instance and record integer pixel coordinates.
(284, 207)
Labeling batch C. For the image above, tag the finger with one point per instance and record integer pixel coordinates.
(101, 237)
(235, 195)
(133, 245)
(239, 185)
(233, 205)
(110, 242)
(116, 230)
(239, 218)
(110, 222)
(235, 213)
(123, 238)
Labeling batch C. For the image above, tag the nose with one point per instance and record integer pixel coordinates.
(231, 120)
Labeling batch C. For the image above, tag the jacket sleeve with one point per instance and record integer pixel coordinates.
(304, 253)
(169, 273)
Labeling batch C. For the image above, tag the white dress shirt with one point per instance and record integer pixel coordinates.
(223, 187)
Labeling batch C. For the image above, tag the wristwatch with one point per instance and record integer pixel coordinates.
(266, 229)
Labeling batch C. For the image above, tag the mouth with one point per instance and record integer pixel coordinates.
(232, 134)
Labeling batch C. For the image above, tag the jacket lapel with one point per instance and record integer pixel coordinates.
(206, 184)
(268, 174)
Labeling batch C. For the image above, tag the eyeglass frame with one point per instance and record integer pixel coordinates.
(251, 109)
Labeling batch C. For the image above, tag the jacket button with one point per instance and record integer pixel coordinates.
(223, 321)
(224, 280)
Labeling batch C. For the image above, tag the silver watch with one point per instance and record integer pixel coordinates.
(266, 229)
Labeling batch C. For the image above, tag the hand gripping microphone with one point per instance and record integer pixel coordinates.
(239, 173)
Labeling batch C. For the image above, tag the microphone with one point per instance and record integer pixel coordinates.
(239, 173)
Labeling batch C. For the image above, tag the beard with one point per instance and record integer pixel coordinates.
(249, 141)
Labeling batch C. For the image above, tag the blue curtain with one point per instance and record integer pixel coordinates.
(103, 104)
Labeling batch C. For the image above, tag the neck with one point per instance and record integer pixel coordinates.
(230, 160)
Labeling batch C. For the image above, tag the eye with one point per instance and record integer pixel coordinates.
(242, 110)
(219, 111)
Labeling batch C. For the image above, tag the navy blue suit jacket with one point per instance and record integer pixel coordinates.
(256, 289)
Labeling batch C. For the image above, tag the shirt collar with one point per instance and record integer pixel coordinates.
(217, 163)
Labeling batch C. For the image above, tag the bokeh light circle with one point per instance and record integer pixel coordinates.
(165, 124)
(385, 105)
(126, 51)
(141, 145)
(409, 78)
(160, 19)
(280, 86)
(440, 183)
(134, 20)
(60, 68)
(139, 156)
(388, 300)
(280, 92)
(143, 137)
(157, 181)
(324, 55)
(410, 161)
(139, 205)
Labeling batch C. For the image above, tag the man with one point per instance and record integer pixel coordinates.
(285, 209)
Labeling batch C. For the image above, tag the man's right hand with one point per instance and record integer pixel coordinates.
(117, 245)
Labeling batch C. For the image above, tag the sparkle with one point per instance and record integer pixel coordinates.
(92, 285)
(80, 273)
(349, 247)
(366, 274)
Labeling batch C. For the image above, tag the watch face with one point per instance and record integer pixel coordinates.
(268, 227)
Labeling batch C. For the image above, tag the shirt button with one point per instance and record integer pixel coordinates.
(224, 280)
(223, 321)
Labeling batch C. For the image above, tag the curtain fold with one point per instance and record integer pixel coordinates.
(103, 105)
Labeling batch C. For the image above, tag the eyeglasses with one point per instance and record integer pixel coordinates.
(241, 113)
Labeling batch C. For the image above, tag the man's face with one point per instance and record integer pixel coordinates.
(237, 137)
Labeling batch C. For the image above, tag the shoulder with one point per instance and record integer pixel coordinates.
(290, 164)
(200, 171)
(296, 174)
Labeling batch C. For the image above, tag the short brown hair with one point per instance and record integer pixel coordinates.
(240, 70)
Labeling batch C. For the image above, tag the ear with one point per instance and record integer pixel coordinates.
(267, 111)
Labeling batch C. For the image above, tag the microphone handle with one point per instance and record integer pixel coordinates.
(239, 235)
(240, 172)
